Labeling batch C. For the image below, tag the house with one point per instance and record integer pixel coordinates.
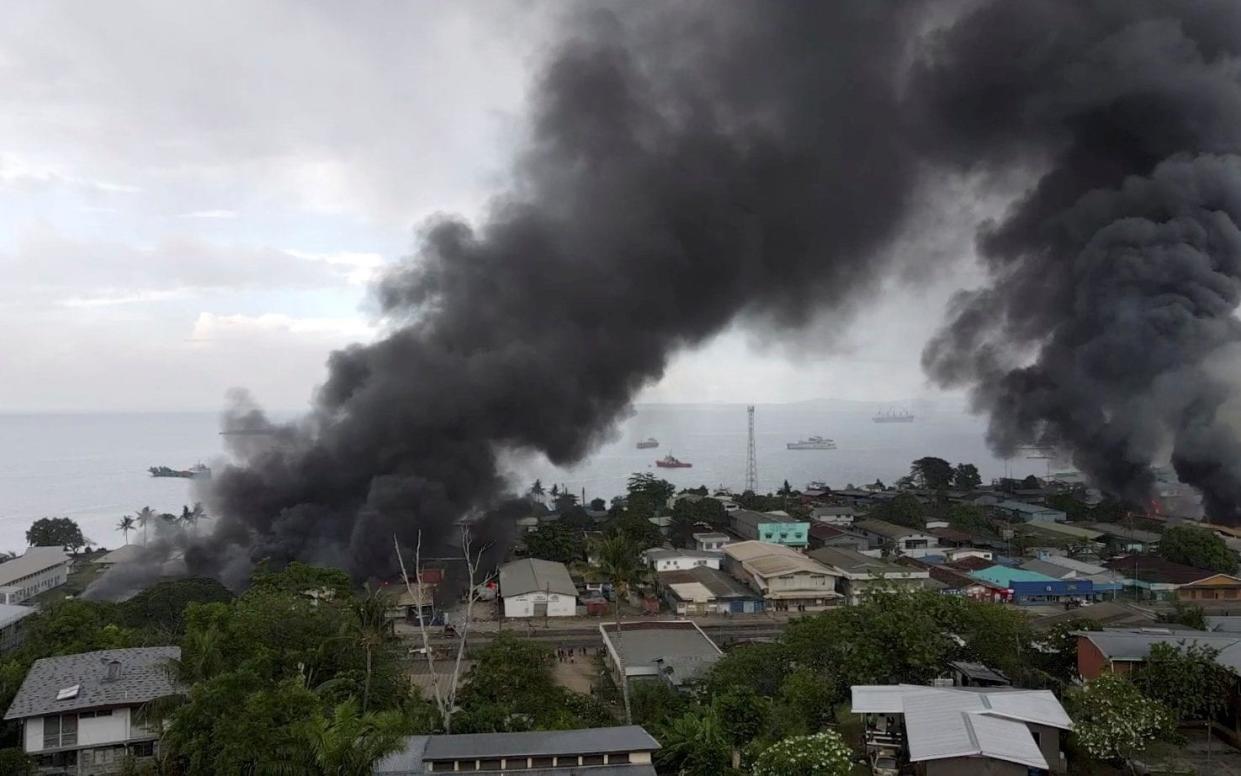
(967, 674)
(663, 559)
(672, 651)
(1129, 539)
(766, 527)
(834, 515)
(960, 583)
(39, 569)
(1106, 583)
(1212, 590)
(949, 536)
(703, 590)
(899, 539)
(12, 631)
(1030, 587)
(711, 541)
(785, 578)
(1154, 577)
(965, 731)
(1068, 532)
(824, 535)
(616, 751)
(960, 553)
(124, 554)
(1106, 614)
(78, 712)
(860, 573)
(1121, 650)
(1030, 513)
(537, 588)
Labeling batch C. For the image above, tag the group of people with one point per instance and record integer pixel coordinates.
(567, 654)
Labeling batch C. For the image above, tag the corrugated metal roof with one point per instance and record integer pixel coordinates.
(1005, 575)
(531, 575)
(628, 738)
(1080, 567)
(1135, 645)
(11, 613)
(34, 560)
(142, 677)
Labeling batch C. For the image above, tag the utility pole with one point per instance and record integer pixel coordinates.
(751, 465)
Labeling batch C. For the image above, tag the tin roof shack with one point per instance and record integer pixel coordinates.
(80, 711)
(824, 535)
(1031, 513)
(1153, 577)
(1031, 587)
(675, 652)
(705, 590)
(613, 751)
(898, 539)
(787, 580)
(860, 574)
(770, 528)
(967, 674)
(1122, 650)
(537, 588)
(966, 731)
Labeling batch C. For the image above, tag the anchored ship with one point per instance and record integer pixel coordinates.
(894, 416)
(671, 462)
(197, 470)
(813, 443)
(649, 443)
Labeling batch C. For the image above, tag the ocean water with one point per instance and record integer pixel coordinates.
(93, 467)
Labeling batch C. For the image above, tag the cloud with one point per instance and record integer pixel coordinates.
(209, 214)
(276, 327)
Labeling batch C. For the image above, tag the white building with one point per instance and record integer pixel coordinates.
(39, 569)
(663, 559)
(711, 541)
(78, 712)
(12, 630)
(537, 588)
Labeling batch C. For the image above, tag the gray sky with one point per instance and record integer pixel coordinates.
(195, 196)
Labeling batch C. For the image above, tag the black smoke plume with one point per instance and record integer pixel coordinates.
(693, 164)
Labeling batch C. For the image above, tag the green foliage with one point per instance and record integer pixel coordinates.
(760, 668)
(742, 714)
(598, 504)
(635, 532)
(821, 754)
(161, 607)
(655, 704)
(345, 742)
(1197, 547)
(904, 510)
(1074, 508)
(14, 762)
(932, 473)
(805, 703)
(648, 495)
(1189, 615)
(693, 744)
(1058, 655)
(970, 518)
(55, 532)
(1113, 720)
(1186, 680)
(555, 541)
(966, 477)
(302, 579)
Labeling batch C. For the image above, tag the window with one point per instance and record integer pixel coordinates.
(142, 749)
(543, 762)
(438, 767)
(592, 759)
(489, 765)
(622, 757)
(60, 731)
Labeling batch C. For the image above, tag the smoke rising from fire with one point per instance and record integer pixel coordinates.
(695, 164)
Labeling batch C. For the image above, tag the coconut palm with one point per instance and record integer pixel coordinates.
(346, 743)
(371, 630)
(694, 743)
(126, 525)
(618, 560)
(144, 518)
(191, 515)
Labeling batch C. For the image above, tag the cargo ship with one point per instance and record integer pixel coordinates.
(894, 416)
(813, 443)
(649, 443)
(195, 471)
(671, 462)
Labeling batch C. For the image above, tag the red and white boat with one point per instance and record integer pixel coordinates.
(671, 462)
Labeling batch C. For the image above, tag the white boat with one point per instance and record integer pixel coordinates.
(813, 443)
(894, 416)
(648, 443)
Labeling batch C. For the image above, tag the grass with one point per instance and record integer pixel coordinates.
(84, 572)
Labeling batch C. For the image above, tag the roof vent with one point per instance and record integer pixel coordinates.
(68, 693)
(114, 671)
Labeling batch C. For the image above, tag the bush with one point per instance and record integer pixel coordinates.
(821, 754)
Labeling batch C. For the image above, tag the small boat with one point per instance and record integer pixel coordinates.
(195, 471)
(671, 462)
(894, 416)
(813, 443)
(648, 443)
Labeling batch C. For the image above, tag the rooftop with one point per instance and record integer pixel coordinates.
(1066, 529)
(122, 554)
(711, 536)
(854, 562)
(1072, 564)
(754, 519)
(10, 613)
(885, 529)
(419, 749)
(1006, 575)
(1128, 534)
(1027, 509)
(664, 553)
(531, 575)
(950, 534)
(1153, 569)
(1135, 645)
(34, 560)
(679, 643)
(1224, 624)
(1104, 613)
(142, 677)
(1047, 569)
(717, 583)
(833, 511)
(769, 560)
(978, 671)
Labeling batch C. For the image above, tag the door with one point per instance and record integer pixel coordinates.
(540, 609)
(737, 607)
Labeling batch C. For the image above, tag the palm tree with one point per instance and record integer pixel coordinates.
(126, 525)
(191, 515)
(347, 743)
(144, 517)
(694, 743)
(372, 630)
(618, 560)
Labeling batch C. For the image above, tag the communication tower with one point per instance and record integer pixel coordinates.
(751, 465)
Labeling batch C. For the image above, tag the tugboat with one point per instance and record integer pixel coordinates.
(650, 442)
(813, 443)
(671, 462)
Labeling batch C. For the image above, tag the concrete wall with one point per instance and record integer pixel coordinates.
(523, 605)
(685, 563)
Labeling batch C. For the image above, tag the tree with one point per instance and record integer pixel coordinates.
(1072, 506)
(191, 515)
(14, 762)
(125, 526)
(161, 607)
(786, 489)
(648, 494)
(1113, 720)
(598, 505)
(904, 510)
(877, 485)
(554, 541)
(970, 518)
(618, 561)
(1189, 615)
(55, 532)
(743, 715)
(655, 704)
(820, 754)
(348, 742)
(966, 477)
(693, 744)
(372, 630)
(932, 473)
(302, 579)
(1197, 547)
(566, 501)
(1031, 483)
(537, 488)
(1186, 679)
(145, 517)
(555, 490)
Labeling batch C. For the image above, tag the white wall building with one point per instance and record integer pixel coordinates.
(711, 541)
(12, 629)
(537, 588)
(39, 569)
(78, 712)
(662, 559)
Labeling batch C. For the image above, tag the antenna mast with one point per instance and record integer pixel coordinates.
(751, 465)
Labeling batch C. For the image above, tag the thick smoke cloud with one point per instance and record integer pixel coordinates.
(690, 165)
(1115, 279)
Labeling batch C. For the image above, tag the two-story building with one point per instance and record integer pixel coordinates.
(1212, 592)
(37, 570)
(770, 528)
(898, 539)
(78, 713)
(711, 541)
(665, 559)
(834, 515)
(787, 580)
(861, 574)
(532, 587)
